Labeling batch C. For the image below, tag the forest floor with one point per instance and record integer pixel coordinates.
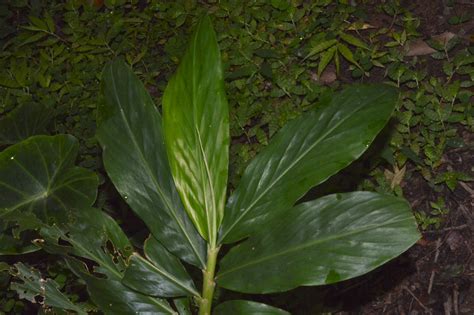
(269, 81)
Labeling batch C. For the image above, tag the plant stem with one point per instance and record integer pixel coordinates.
(208, 283)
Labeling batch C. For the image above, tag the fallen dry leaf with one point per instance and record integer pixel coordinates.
(395, 177)
(443, 38)
(329, 75)
(418, 47)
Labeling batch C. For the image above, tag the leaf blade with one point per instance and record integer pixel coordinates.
(137, 164)
(34, 285)
(38, 176)
(163, 272)
(306, 152)
(24, 121)
(242, 307)
(321, 47)
(325, 59)
(323, 241)
(196, 134)
(348, 38)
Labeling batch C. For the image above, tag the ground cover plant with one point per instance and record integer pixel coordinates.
(53, 54)
(173, 174)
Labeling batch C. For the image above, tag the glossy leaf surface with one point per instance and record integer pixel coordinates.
(159, 274)
(242, 307)
(196, 124)
(304, 154)
(327, 240)
(24, 121)
(136, 162)
(38, 176)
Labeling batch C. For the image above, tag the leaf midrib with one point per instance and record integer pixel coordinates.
(312, 243)
(168, 276)
(44, 195)
(244, 213)
(152, 175)
(212, 220)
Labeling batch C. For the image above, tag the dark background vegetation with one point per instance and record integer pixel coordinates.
(280, 58)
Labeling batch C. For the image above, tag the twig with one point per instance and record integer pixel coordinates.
(416, 299)
(455, 300)
(448, 305)
(433, 272)
(467, 188)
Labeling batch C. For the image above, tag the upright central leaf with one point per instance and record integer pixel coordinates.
(196, 126)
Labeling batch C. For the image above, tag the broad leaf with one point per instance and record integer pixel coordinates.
(241, 307)
(38, 176)
(16, 246)
(32, 285)
(196, 124)
(94, 235)
(183, 306)
(24, 121)
(160, 274)
(114, 298)
(136, 162)
(97, 237)
(304, 154)
(327, 240)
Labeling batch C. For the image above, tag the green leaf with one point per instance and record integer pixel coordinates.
(336, 62)
(8, 82)
(38, 23)
(183, 306)
(242, 307)
(38, 176)
(325, 59)
(347, 54)
(12, 246)
(306, 152)
(324, 241)
(32, 285)
(161, 274)
(113, 298)
(196, 124)
(95, 236)
(320, 47)
(24, 121)
(135, 159)
(32, 39)
(353, 40)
